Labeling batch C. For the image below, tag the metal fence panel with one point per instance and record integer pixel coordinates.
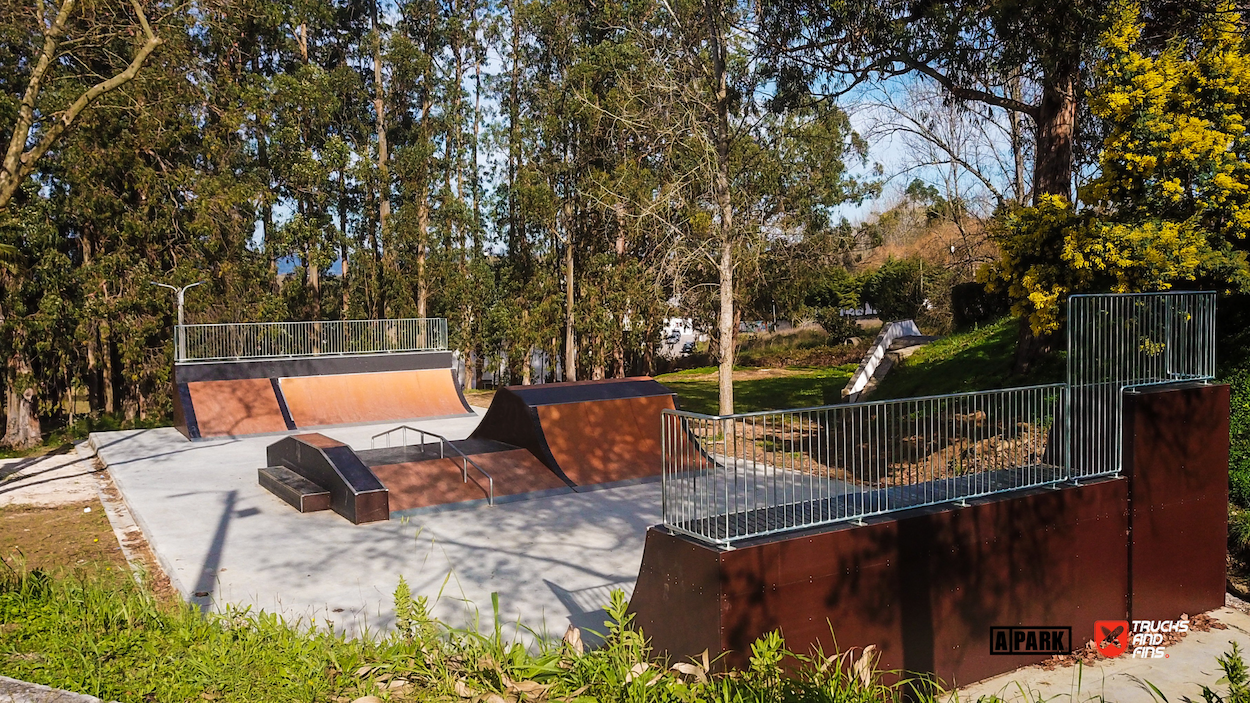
(740, 476)
(1120, 341)
(737, 476)
(275, 340)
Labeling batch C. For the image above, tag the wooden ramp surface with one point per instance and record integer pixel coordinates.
(344, 399)
(237, 407)
(604, 441)
(422, 484)
(586, 432)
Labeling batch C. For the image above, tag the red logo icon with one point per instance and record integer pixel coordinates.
(1111, 637)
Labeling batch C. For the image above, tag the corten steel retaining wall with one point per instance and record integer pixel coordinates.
(927, 585)
(1176, 455)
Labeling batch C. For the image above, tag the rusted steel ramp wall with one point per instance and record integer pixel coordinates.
(587, 432)
(235, 398)
(927, 585)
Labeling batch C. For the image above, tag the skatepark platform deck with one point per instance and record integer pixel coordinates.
(420, 480)
(534, 441)
(552, 560)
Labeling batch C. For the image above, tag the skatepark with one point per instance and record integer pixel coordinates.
(913, 524)
(217, 532)
(523, 499)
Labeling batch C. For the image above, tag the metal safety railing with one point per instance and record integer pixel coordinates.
(727, 478)
(1116, 342)
(276, 340)
(730, 477)
(443, 445)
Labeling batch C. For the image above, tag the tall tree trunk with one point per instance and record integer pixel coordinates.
(379, 108)
(570, 340)
(724, 203)
(1052, 175)
(110, 368)
(423, 216)
(598, 371)
(423, 234)
(266, 210)
(1056, 133)
(314, 280)
(477, 128)
(95, 379)
(22, 430)
(344, 249)
(514, 146)
(1017, 140)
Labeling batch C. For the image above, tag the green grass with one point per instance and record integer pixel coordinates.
(975, 360)
(799, 388)
(111, 639)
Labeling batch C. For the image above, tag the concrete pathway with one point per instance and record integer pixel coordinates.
(223, 539)
(14, 691)
(59, 478)
(1190, 664)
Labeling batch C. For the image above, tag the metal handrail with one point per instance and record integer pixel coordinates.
(442, 443)
(732, 477)
(282, 340)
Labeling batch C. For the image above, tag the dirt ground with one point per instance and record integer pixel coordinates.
(52, 518)
(59, 537)
(479, 397)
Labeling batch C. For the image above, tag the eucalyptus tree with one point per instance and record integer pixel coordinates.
(978, 52)
(732, 174)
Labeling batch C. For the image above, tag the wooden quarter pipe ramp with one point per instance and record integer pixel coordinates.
(318, 401)
(230, 399)
(587, 432)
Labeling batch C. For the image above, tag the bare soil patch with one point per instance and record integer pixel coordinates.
(479, 397)
(60, 537)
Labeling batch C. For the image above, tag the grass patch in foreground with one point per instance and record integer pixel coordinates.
(975, 360)
(116, 642)
(760, 389)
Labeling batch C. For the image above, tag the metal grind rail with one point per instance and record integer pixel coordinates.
(728, 478)
(443, 444)
(282, 340)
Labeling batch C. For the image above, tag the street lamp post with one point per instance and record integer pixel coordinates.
(179, 333)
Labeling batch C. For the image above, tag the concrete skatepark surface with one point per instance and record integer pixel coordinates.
(225, 540)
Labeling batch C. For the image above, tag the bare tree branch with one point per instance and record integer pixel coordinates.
(20, 162)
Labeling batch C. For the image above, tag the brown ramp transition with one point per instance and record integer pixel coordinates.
(417, 483)
(586, 432)
(344, 399)
(235, 407)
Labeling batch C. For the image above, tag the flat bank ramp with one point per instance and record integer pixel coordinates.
(586, 432)
(345, 399)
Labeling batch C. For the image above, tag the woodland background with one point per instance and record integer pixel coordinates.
(565, 175)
